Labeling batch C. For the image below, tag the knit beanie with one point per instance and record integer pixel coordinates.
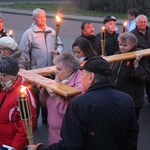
(9, 66)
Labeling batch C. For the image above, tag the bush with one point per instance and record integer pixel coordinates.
(113, 6)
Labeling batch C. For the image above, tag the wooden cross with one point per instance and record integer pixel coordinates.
(36, 76)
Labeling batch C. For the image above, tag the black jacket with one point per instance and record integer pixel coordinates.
(111, 46)
(94, 41)
(143, 40)
(129, 80)
(101, 119)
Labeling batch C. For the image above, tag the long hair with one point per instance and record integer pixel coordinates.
(85, 46)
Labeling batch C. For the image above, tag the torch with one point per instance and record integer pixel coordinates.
(25, 113)
(124, 26)
(58, 19)
(10, 33)
(103, 40)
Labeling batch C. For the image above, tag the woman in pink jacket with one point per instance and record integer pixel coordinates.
(67, 72)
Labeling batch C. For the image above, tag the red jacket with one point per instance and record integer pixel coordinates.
(12, 131)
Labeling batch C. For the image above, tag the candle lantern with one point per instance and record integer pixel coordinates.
(58, 19)
(103, 40)
(25, 113)
(124, 26)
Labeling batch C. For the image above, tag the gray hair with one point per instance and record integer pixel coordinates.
(68, 61)
(128, 36)
(36, 11)
(141, 16)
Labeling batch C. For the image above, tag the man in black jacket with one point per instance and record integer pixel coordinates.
(87, 32)
(102, 118)
(142, 32)
(111, 37)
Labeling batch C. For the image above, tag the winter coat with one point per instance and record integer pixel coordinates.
(36, 46)
(57, 107)
(143, 40)
(111, 44)
(12, 131)
(101, 119)
(94, 41)
(126, 78)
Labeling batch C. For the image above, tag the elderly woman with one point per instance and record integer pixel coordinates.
(9, 48)
(129, 76)
(67, 72)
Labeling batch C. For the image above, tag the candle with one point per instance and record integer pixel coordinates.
(58, 20)
(103, 39)
(25, 113)
(124, 26)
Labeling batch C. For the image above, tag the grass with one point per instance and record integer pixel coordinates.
(64, 8)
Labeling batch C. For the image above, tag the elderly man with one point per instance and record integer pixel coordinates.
(87, 32)
(12, 131)
(37, 46)
(102, 118)
(111, 45)
(142, 32)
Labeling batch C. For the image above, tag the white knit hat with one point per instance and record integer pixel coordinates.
(8, 42)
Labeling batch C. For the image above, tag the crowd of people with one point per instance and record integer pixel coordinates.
(106, 111)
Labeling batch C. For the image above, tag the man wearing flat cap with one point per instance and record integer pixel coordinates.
(111, 45)
(12, 132)
(101, 118)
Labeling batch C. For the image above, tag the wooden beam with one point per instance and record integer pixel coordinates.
(126, 56)
(59, 88)
(36, 76)
(110, 59)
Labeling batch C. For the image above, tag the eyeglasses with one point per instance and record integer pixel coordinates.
(3, 74)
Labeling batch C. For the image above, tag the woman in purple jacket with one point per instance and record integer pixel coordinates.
(67, 72)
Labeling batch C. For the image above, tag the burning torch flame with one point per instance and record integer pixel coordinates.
(103, 28)
(10, 32)
(23, 88)
(125, 23)
(58, 19)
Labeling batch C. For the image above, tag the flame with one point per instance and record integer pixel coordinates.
(58, 19)
(125, 23)
(103, 28)
(10, 32)
(23, 88)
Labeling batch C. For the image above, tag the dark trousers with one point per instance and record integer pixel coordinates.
(137, 110)
(39, 106)
(147, 86)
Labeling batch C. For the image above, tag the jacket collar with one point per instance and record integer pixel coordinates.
(99, 85)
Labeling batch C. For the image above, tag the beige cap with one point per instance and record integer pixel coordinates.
(8, 42)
